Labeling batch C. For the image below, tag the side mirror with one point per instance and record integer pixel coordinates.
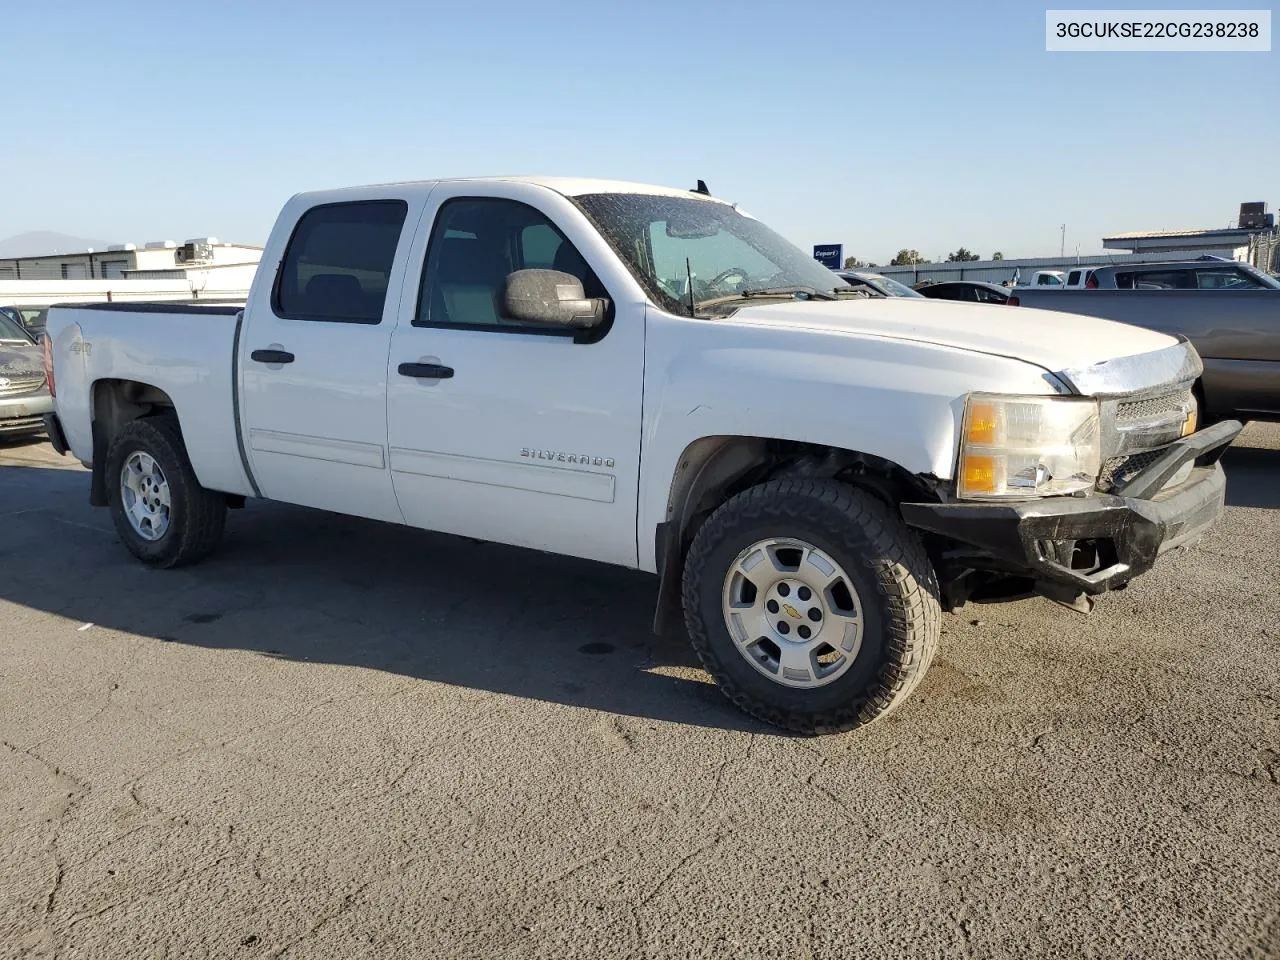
(553, 298)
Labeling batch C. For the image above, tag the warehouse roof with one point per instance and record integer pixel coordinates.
(1156, 234)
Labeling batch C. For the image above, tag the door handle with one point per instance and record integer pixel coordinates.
(425, 371)
(272, 356)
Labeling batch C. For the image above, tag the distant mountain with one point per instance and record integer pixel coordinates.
(38, 242)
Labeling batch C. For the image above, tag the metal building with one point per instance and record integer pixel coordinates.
(118, 261)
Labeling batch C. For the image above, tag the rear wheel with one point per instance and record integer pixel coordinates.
(163, 515)
(811, 604)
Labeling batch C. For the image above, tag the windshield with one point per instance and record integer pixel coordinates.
(664, 240)
(11, 329)
(1265, 279)
(893, 288)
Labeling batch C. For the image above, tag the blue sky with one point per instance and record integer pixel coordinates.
(877, 125)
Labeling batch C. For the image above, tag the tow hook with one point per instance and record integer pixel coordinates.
(1068, 597)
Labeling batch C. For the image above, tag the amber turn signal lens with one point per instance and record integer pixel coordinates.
(979, 474)
(1189, 425)
(982, 424)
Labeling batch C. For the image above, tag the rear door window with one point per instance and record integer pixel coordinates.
(951, 291)
(1156, 280)
(338, 262)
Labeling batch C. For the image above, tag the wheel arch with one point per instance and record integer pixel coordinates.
(711, 469)
(112, 404)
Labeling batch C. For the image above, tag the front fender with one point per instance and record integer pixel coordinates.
(901, 401)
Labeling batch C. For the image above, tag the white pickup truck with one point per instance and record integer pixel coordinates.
(652, 378)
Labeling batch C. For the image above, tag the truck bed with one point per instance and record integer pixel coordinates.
(183, 349)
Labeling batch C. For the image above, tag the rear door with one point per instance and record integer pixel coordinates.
(313, 356)
(527, 435)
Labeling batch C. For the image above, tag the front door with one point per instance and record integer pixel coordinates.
(314, 360)
(505, 431)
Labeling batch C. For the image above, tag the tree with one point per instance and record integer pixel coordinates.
(961, 256)
(905, 258)
(853, 263)
(997, 255)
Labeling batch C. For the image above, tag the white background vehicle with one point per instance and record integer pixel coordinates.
(1078, 278)
(1044, 278)
(813, 476)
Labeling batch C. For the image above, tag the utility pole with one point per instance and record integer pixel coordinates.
(1062, 250)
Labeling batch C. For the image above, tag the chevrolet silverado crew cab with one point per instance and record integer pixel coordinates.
(652, 378)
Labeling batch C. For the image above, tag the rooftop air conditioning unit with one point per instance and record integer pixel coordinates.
(194, 251)
(1254, 216)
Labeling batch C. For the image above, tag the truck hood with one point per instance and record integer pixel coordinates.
(1047, 338)
(19, 361)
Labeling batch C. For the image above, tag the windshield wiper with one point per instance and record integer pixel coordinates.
(781, 291)
(810, 293)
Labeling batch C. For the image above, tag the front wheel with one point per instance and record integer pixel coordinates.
(163, 515)
(811, 604)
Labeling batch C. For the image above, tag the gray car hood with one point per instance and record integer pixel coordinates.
(18, 361)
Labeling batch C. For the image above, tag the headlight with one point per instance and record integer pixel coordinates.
(1020, 447)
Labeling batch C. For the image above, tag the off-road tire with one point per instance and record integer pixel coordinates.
(894, 577)
(196, 515)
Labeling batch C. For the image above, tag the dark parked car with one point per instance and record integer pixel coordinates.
(969, 291)
(24, 394)
(884, 286)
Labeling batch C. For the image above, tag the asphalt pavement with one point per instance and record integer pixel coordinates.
(344, 739)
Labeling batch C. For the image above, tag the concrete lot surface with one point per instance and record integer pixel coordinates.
(343, 739)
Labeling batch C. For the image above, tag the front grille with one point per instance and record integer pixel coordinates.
(12, 386)
(1153, 407)
(21, 425)
(1120, 470)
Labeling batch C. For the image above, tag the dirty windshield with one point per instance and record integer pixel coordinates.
(669, 242)
(11, 330)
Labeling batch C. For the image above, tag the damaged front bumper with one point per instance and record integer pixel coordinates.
(1096, 543)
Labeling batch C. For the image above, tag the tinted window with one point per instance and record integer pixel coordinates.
(949, 291)
(338, 262)
(989, 296)
(1156, 280)
(475, 243)
(539, 244)
(1073, 278)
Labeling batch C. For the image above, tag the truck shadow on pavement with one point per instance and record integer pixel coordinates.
(304, 585)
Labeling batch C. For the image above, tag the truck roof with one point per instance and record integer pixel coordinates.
(568, 186)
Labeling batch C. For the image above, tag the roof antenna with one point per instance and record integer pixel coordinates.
(701, 188)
